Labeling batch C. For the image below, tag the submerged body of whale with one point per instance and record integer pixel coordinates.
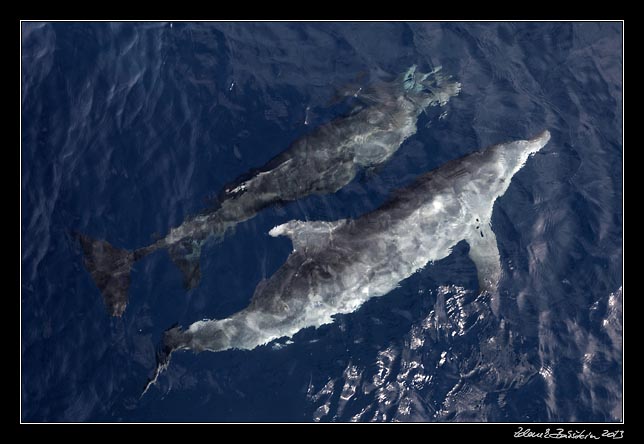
(321, 162)
(336, 266)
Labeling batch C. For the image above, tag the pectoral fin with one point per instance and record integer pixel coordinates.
(186, 258)
(484, 252)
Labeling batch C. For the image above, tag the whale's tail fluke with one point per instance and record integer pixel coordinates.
(110, 268)
(170, 342)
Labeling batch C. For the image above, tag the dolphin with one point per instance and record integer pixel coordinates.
(336, 266)
(321, 162)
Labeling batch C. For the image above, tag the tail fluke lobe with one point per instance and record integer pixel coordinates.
(172, 340)
(110, 268)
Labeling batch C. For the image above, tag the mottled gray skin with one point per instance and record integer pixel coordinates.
(327, 159)
(321, 162)
(336, 266)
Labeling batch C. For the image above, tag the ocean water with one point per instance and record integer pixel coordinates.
(128, 128)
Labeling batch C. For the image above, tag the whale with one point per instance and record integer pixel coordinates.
(321, 162)
(336, 266)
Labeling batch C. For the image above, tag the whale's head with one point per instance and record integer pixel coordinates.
(412, 89)
(427, 89)
(512, 156)
(496, 166)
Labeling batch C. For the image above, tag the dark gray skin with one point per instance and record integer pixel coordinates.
(321, 162)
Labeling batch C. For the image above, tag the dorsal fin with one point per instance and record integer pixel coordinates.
(306, 235)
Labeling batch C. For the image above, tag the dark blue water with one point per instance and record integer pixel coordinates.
(127, 128)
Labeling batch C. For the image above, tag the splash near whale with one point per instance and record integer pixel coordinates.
(336, 266)
(321, 162)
